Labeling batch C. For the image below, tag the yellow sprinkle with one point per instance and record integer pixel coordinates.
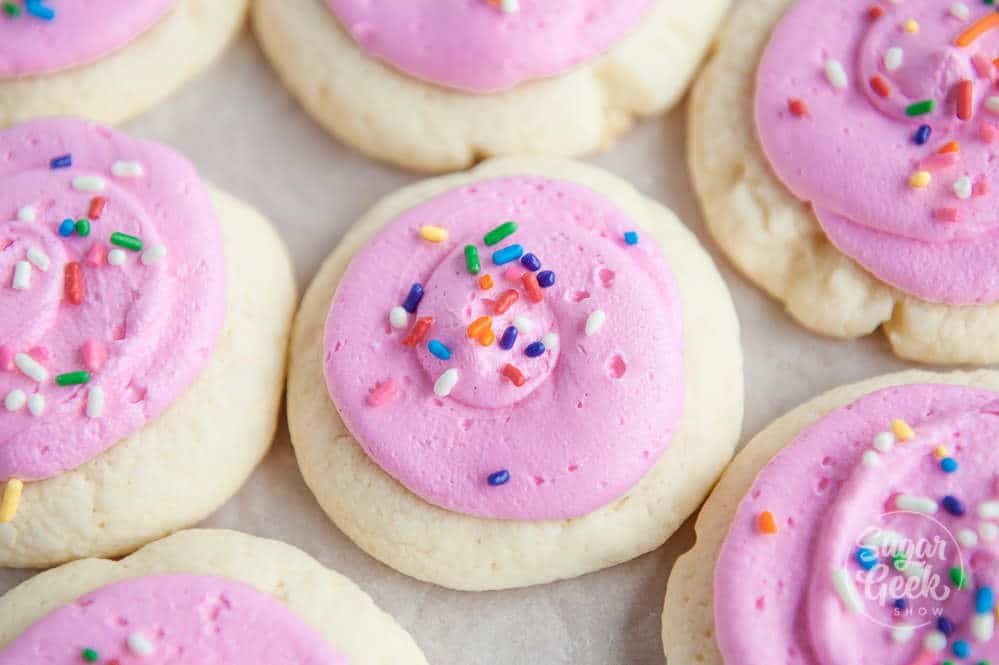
(920, 179)
(911, 26)
(433, 233)
(941, 452)
(11, 497)
(902, 430)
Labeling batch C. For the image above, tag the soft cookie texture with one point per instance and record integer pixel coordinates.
(775, 238)
(358, 97)
(469, 552)
(689, 632)
(115, 75)
(330, 605)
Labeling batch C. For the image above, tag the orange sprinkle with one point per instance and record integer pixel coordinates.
(875, 12)
(487, 337)
(797, 107)
(880, 85)
(476, 327)
(766, 522)
(950, 146)
(73, 283)
(505, 301)
(964, 99)
(532, 288)
(418, 331)
(515, 375)
(96, 207)
(977, 29)
(486, 282)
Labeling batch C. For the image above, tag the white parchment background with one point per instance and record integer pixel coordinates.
(247, 135)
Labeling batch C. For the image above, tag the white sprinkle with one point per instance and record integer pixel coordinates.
(962, 187)
(916, 504)
(550, 340)
(959, 10)
(988, 510)
(123, 169)
(15, 400)
(36, 404)
(510, 6)
(154, 255)
(30, 367)
(992, 104)
(27, 214)
(522, 324)
(594, 322)
(116, 257)
(446, 383)
(38, 258)
(902, 634)
(870, 459)
(967, 538)
(983, 626)
(883, 441)
(836, 74)
(95, 402)
(89, 183)
(914, 569)
(893, 58)
(22, 276)
(988, 531)
(139, 645)
(935, 641)
(398, 317)
(847, 592)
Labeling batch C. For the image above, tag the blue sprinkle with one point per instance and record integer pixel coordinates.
(945, 626)
(534, 349)
(509, 338)
(412, 301)
(531, 262)
(507, 254)
(546, 278)
(501, 477)
(439, 350)
(985, 600)
(953, 505)
(948, 464)
(631, 237)
(37, 9)
(961, 649)
(901, 604)
(67, 227)
(922, 134)
(866, 558)
(62, 162)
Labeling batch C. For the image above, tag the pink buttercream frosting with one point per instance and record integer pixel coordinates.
(143, 326)
(472, 45)
(852, 155)
(79, 33)
(835, 491)
(189, 619)
(594, 412)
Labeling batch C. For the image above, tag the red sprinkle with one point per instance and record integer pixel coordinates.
(73, 283)
(96, 207)
(875, 12)
(880, 85)
(947, 215)
(532, 288)
(515, 375)
(505, 301)
(418, 331)
(797, 107)
(964, 99)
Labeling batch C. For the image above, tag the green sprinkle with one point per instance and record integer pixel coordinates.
(920, 108)
(83, 227)
(502, 231)
(11, 10)
(472, 260)
(73, 378)
(90, 655)
(959, 577)
(126, 241)
(898, 561)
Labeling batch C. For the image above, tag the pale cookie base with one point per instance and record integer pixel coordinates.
(471, 553)
(688, 617)
(134, 78)
(324, 599)
(185, 464)
(774, 238)
(391, 116)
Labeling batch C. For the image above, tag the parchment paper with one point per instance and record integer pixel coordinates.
(247, 135)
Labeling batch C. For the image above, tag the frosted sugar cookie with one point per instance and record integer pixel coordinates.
(132, 298)
(105, 59)
(203, 597)
(438, 86)
(518, 374)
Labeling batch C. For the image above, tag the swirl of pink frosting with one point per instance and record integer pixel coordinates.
(840, 108)
(173, 619)
(140, 323)
(77, 33)
(473, 45)
(595, 411)
(801, 596)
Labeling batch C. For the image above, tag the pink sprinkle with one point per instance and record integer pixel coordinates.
(947, 215)
(6, 358)
(982, 65)
(938, 162)
(39, 353)
(512, 274)
(94, 354)
(925, 658)
(383, 393)
(988, 132)
(981, 187)
(97, 254)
